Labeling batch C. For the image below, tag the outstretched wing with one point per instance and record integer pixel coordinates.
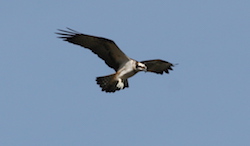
(106, 49)
(158, 66)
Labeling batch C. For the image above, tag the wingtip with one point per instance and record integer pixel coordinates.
(69, 31)
(175, 64)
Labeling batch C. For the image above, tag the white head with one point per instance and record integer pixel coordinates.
(140, 66)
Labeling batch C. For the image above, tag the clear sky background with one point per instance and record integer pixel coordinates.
(48, 93)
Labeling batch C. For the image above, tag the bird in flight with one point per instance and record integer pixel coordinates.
(108, 51)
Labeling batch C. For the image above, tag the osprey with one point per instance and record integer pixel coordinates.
(107, 50)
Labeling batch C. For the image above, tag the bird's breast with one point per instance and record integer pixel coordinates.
(127, 70)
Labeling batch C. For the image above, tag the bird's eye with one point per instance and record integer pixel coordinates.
(138, 66)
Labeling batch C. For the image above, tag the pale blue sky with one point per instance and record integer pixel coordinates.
(48, 93)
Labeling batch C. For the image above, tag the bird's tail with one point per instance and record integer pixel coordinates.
(110, 84)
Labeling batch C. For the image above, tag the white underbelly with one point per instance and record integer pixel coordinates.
(128, 74)
(127, 71)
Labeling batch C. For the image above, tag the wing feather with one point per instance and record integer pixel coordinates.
(106, 49)
(158, 66)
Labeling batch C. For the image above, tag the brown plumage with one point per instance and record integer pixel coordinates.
(158, 66)
(108, 51)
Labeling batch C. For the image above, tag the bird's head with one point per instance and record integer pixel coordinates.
(141, 67)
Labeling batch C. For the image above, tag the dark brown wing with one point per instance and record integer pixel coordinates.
(158, 66)
(106, 49)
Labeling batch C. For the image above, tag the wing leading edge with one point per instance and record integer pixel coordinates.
(106, 49)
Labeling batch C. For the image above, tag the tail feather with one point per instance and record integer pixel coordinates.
(109, 84)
